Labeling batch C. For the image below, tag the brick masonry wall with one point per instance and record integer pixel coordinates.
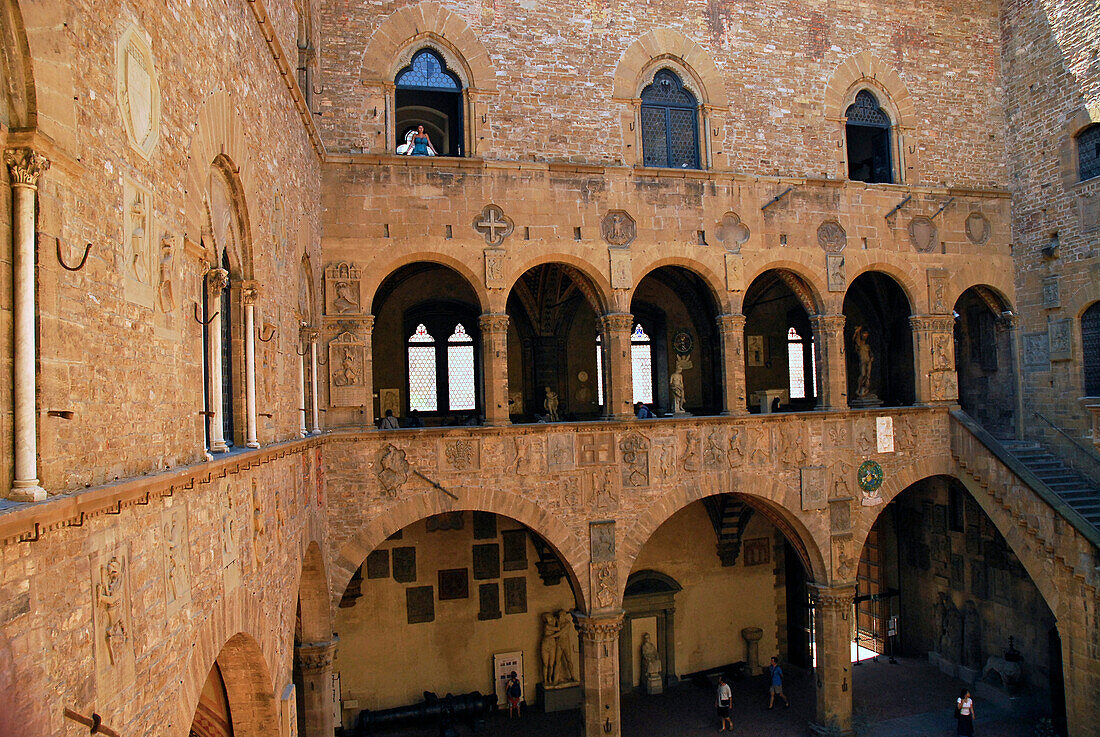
(555, 62)
(1049, 57)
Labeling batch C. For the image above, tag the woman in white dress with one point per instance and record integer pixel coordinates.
(964, 714)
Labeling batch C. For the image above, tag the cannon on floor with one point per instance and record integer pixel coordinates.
(471, 708)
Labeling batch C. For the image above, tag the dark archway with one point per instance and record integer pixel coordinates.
(984, 360)
(780, 355)
(426, 345)
(236, 699)
(876, 316)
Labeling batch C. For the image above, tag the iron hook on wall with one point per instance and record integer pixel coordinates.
(198, 319)
(270, 335)
(83, 259)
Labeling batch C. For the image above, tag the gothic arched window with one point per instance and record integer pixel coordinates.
(868, 133)
(429, 94)
(1088, 152)
(1090, 349)
(442, 372)
(641, 365)
(670, 128)
(801, 361)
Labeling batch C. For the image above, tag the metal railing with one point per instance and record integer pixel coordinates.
(1091, 469)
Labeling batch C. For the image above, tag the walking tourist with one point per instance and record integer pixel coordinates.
(776, 688)
(725, 700)
(964, 714)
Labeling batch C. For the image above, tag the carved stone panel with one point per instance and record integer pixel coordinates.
(342, 289)
(662, 459)
(618, 228)
(844, 559)
(831, 236)
(734, 272)
(601, 539)
(112, 618)
(635, 460)
(732, 233)
(391, 468)
(1060, 336)
(1036, 351)
(419, 604)
(404, 564)
(561, 454)
(177, 561)
(378, 564)
(814, 495)
(461, 454)
(937, 292)
(596, 447)
(137, 89)
(494, 268)
(840, 516)
(230, 541)
(486, 561)
(137, 244)
(493, 225)
(922, 234)
(1051, 292)
(488, 595)
(1088, 208)
(602, 488)
(977, 228)
(347, 368)
(604, 582)
(530, 455)
(621, 275)
(834, 270)
(515, 595)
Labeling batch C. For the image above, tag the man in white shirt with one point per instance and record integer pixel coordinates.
(724, 702)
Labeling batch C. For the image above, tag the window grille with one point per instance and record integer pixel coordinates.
(868, 134)
(1088, 152)
(641, 365)
(428, 72)
(670, 131)
(599, 371)
(866, 111)
(460, 370)
(422, 379)
(1090, 348)
(796, 364)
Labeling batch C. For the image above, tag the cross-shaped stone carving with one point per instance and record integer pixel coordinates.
(494, 225)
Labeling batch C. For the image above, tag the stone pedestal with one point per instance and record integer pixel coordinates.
(866, 402)
(752, 636)
(653, 684)
(566, 697)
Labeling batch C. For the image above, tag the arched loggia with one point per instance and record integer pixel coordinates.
(984, 360)
(878, 342)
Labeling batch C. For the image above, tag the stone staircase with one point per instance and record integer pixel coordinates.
(1073, 488)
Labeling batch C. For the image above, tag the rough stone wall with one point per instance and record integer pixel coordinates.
(132, 374)
(1049, 58)
(555, 63)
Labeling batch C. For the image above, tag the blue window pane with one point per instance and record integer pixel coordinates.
(427, 70)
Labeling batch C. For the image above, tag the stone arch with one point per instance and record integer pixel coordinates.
(16, 69)
(427, 24)
(597, 289)
(669, 47)
(374, 278)
(995, 292)
(1040, 567)
(240, 257)
(313, 599)
(409, 509)
(219, 134)
(904, 279)
(798, 278)
(701, 270)
(771, 498)
(38, 37)
(866, 70)
(241, 637)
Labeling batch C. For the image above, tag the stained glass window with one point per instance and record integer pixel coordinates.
(422, 379)
(460, 370)
(599, 371)
(427, 71)
(670, 133)
(1088, 152)
(641, 365)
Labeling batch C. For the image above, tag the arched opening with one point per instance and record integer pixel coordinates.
(1088, 152)
(447, 606)
(716, 590)
(670, 123)
(940, 590)
(313, 636)
(1090, 350)
(984, 361)
(428, 107)
(867, 130)
(780, 355)
(878, 342)
(552, 346)
(675, 349)
(236, 698)
(433, 345)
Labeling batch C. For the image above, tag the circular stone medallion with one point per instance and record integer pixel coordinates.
(683, 343)
(869, 476)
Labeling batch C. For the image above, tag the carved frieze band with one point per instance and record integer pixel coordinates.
(600, 629)
(932, 323)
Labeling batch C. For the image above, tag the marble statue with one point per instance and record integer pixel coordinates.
(557, 663)
(676, 384)
(651, 665)
(861, 336)
(550, 404)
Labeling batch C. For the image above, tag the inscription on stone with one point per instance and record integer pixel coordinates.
(404, 564)
(515, 595)
(515, 550)
(486, 561)
(488, 596)
(454, 583)
(419, 604)
(378, 564)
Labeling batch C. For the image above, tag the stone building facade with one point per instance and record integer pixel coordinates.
(217, 269)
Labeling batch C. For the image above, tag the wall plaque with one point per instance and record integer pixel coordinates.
(486, 561)
(488, 596)
(378, 564)
(419, 604)
(454, 583)
(758, 551)
(1060, 337)
(515, 550)
(515, 595)
(813, 488)
(404, 564)
(485, 525)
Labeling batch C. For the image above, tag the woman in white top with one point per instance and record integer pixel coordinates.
(964, 714)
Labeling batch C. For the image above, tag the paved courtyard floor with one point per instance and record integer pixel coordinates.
(909, 699)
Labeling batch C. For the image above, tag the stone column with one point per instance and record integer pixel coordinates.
(934, 359)
(25, 166)
(216, 281)
(314, 662)
(312, 335)
(302, 384)
(250, 292)
(834, 611)
(831, 360)
(494, 367)
(367, 323)
(731, 328)
(618, 383)
(599, 639)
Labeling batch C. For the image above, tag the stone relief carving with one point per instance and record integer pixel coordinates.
(937, 292)
(604, 583)
(618, 228)
(840, 516)
(758, 446)
(561, 456)
(597, 448)
(230, 545)
(259, 521)
(1088, 209)
(494, 268)
(790, 448)
(713, 452)
(1052, 296)
(601, 541)
(838, 434)
(814, 496)
(1036, 351)
(462, 455)
(941, 348)
(1060, 338)
(689, 459)
(977, 228)
(392, 469)
(603, 493)
(137, 90)
(831, 236)
(620, 268)
(530, 455)
(347, 371)
(493, 225)
(736, 454)
(110, 594)
(342, 285)
(922, 234)
(635, 460)
(177, 577)
(662, 458)
(732, 233)
(734, 272)
(844, 562)
(834, 272)
(137, 244)
(943, 385)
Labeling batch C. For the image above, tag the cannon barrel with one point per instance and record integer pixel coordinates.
(471, 707)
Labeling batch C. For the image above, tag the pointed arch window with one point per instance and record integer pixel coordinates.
(641, 364)
(428, 94)
(800, 361)
(1090, 349)
(442, 372)
(670, 123)
(1088, 152)
(422, 378)
(460, 370)
(867, 131)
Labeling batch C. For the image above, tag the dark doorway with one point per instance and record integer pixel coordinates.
(984, 361)
(1057, 684)
(799, 622)
(868, 133)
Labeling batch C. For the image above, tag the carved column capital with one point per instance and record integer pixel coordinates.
(835, 599)
(366, 322)
(493, 323)
(216, 281)
(827, 323)
(932, 323)
(1006, 322)
(26, 166)
(250, 292)
(616, 322)
(599, 628)
(731, 324)
(311, 334)
(314, 658)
